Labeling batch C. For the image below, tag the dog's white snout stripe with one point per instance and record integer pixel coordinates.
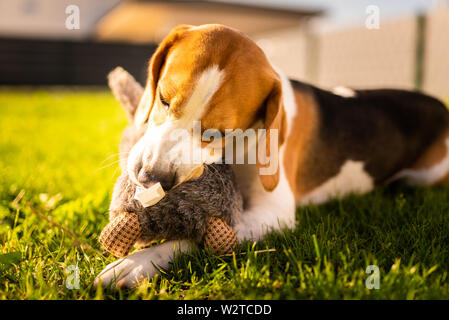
(159, 148)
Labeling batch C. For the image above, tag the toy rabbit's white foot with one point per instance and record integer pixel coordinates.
(144, 264)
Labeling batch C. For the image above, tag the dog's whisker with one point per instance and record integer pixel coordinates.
(114, 155)
(109, 164)
(115, 171)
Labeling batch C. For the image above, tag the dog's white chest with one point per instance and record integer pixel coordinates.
(264, 210)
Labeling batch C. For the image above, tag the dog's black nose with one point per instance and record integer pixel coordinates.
(148, 178)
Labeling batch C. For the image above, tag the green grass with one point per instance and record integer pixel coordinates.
(54, 149)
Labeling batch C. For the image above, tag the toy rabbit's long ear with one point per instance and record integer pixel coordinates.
(126, 90)
(155, 65)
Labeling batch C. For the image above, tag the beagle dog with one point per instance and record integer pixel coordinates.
(329, 144)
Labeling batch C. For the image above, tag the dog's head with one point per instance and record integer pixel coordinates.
(209, 76)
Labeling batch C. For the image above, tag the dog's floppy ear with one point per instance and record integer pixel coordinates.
(268, 161)
(155, 65)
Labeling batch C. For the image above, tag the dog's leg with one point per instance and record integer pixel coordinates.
(265, 210)
(432, 168)
(141, 265)
(257, 221)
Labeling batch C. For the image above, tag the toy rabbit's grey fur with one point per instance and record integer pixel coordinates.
(184, 211)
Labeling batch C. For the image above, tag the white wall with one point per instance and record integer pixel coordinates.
(46, 18)
(436, 62)
(287, 49)
(368, 58)
(362, 58)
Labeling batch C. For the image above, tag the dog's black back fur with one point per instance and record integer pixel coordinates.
(386, 129)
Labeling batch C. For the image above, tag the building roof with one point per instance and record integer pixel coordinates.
(220, 4)
(148, 21)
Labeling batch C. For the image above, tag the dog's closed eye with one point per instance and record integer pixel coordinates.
(164, 101)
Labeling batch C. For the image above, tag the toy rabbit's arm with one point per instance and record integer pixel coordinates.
(120, 235)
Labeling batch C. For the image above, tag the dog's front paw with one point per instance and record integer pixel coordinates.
(144, 264)
(126, 272)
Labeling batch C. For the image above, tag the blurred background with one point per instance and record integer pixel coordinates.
(324, 42)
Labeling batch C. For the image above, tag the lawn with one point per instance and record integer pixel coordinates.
(58, 152)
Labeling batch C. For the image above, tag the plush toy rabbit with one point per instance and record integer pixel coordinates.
(202, 210)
